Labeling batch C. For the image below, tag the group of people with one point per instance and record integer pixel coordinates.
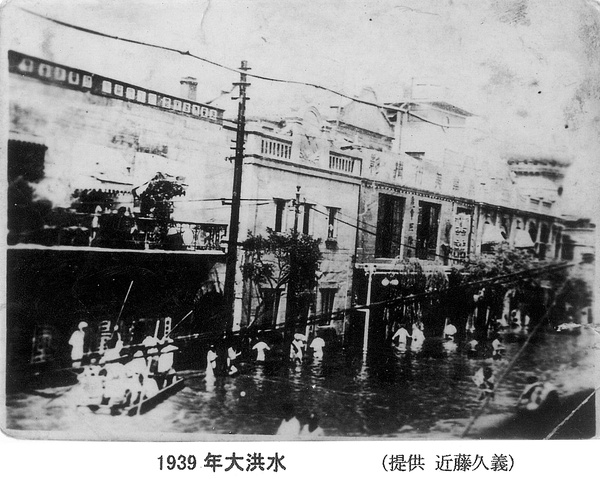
(221, 362)
(299, 348)
(402, 337)
(116, 379)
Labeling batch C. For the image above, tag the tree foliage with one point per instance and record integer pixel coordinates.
(156, 201)
(278, 260)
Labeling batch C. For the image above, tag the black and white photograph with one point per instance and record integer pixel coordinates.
(300, 221)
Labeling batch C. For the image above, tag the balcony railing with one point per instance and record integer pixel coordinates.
(346, 164)
(275, 148)
(121, 231)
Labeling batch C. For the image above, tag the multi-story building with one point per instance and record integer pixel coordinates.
(92, 161)
(378, 184)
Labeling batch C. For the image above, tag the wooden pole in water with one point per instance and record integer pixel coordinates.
(124, 301)
(370, 271)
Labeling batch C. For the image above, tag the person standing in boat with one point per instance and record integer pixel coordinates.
(136, 371)
(166, 360)
(211, 362)
(115, 341)
(260, 347)
(77, 341)
(116, 381)
(150, 344)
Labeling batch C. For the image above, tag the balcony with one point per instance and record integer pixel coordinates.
(343, 163)
(120, 230)
(278, 149)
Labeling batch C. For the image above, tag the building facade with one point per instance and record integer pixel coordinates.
(97, 165)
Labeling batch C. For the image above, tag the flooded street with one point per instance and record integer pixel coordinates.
(397, 394)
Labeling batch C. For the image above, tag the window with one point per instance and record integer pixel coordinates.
(389, 226)
(557, 243)
(271, 299)
(327, 302)
(332, 214)
(73, 78)
(279, 213)
(130, 93)
(306, 218)
(544, 239)
(427, 230)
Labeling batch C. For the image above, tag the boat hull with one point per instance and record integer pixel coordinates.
(140, 407)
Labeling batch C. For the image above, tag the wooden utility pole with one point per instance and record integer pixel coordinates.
(234, 223)
(292, 305)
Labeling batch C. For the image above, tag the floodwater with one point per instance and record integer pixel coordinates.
(424, 394)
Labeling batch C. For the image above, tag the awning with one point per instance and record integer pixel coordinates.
(491, 234)
(523, 239)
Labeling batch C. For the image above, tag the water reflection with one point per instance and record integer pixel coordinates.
(397, 391)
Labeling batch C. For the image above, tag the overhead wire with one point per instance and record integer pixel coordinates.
(395, 241)
(237, 70)
(514, 359)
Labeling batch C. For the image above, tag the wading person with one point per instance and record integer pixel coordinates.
(417, 336)
(317, 345)
(401, 336)
(261, 347)
(232, 355)
(484, 379)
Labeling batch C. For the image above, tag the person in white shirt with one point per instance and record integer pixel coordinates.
(317, 345)
(76, 341)
(449, 331)
(401, 335)
(211, 362)
(417, 336)
(261, 347)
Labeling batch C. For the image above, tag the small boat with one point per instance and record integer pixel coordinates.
(150, 401)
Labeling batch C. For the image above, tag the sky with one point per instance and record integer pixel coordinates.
(529, 70)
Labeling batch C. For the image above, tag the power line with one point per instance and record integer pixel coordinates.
(514, 359)
(237, 70)
(395, 242)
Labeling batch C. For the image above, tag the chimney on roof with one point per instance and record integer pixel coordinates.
(189, 85)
